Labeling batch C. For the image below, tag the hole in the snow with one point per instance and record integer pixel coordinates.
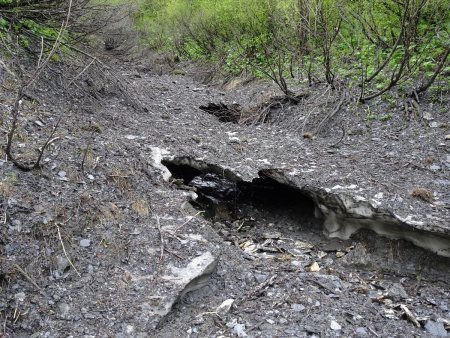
(280, 200)
(263, 111)
(268, 217)
(182, 171)
(263, 203)
(223, 112)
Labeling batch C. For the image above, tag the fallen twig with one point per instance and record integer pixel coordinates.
(81, 73)
(342, 137)
(161, 238)
(65, 252)
(409, 315)
(373, 331)
(173, 253)
(330, 290)
(27, 277)
(4, 326)
(5, 214)
(331, 114)
(258, 324)
(88, 147)
(190, 219)
(240, 226)
(46, 144)
(259, 288)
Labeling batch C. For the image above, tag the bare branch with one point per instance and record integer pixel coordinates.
(424, 87)
(394, 48)
(46, 144)
(20, 94)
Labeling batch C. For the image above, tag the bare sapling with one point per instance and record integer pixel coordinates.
(27, 81)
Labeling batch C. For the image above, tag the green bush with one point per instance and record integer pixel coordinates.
(239, 31)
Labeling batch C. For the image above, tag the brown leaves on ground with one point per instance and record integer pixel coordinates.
(423, 194)
(140, 206)
(122, 180)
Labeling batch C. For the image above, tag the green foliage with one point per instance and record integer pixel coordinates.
(197, 28)
(385, 117)
(24, 42)
(31, 25)
(350, 39)
(3, 27)
(3, 24)
(39, 29)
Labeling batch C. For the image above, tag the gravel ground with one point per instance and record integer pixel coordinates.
(103, 242)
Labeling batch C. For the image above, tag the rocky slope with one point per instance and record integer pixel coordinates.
(153, 218)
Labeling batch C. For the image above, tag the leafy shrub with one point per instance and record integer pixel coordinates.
(329, 37)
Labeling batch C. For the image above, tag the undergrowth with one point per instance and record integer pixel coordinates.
(374, 45)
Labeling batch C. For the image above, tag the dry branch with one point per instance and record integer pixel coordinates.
(161, 238)
(65, 252)
(42, 63)
(415, 93)
(27, 277)
(394, 48)
(331, 114)
(341, 139)
(50, 139)
(410, 17)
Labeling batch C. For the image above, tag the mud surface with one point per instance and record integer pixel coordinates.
(109, 239)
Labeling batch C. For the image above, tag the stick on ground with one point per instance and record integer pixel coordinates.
(161, 238)
(65, 252)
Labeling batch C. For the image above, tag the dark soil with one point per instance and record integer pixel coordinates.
(91, 242)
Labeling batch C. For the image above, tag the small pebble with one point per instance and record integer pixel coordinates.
(397, 292)
(239, 330)
(20, 296)
(361, 332)
(335, 325)
(261, 278)
(85, 243)
(223, 308)
(435, 167)
(298, 307)
(63, 308)
(62, 263)
(89, 316)
(434, 125)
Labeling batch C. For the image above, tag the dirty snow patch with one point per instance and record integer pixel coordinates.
(157, 156)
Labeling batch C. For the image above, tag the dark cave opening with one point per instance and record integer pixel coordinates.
(182, 171)
(227, 198)
(268, 194)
